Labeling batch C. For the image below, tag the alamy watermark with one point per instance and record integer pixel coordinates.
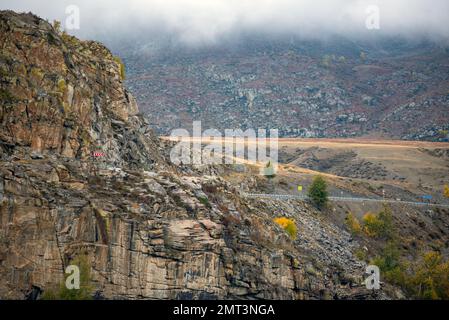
(212, 147)
(73, 20)
(373, 281)
(72, 282)
(372, 21)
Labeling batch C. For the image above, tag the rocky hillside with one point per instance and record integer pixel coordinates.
(82, 176)
(337, 88)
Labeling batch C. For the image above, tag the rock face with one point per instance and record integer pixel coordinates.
(65, 96)
(146, 230)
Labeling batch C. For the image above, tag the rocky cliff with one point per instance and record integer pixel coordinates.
(82, 176)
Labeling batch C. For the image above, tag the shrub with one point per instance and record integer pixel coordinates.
(57, 26)
(318, 192)
(371, 224)
(6, 96)
(428, 279)
(353, 224)
(69, 40)
(431, 278)
(392, 269)
(288, 225)
(204, 201)
(37, 73)
(389, 259)
(63, 293)
(361, 254)
(62, 86)
(121, 66)
(380, 225)
(446, 191)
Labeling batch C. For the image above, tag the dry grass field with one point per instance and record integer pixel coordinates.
(354, 167)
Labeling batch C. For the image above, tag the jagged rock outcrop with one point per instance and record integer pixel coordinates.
(65, 96)
(147, 231)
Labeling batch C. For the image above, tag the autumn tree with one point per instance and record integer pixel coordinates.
(379, 225)
(288, 225)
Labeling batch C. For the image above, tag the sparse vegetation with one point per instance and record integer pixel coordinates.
(145, 231)
(390, 265)
(62, 86)
(69, 40)
(353, 224)
(63, 293)
(288, 225)
(379, 225)
(6, 96)
(361, 254)
(431, 278)
(103, 223)
(37, 73)
(121, 66)
(57, 26)
(428, 279)
(318, 192)
(204, 201)
(446, 191)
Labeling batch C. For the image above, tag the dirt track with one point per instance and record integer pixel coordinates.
(336, 142)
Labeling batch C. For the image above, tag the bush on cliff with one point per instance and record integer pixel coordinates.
(288, 225)
(61, 292)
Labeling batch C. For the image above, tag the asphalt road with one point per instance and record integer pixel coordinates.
(342, 199)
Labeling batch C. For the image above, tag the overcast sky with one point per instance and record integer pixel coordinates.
(205, 21)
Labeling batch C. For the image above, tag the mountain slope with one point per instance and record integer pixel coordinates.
(81, 176)
(332, 88)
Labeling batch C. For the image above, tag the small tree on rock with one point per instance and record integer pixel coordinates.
(318, 192)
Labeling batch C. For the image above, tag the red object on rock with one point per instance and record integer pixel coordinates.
(98, 154)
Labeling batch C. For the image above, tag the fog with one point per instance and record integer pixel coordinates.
(208, 21)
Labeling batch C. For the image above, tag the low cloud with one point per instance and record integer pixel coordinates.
(209, 21)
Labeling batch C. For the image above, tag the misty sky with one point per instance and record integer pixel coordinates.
(208, 21)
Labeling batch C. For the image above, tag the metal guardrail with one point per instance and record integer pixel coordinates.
(342, 199)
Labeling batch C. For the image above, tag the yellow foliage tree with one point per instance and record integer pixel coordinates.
(353, 224)
(288, 225)
(370, 221)
(431, 279)
(446, 191)
(378, 225)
